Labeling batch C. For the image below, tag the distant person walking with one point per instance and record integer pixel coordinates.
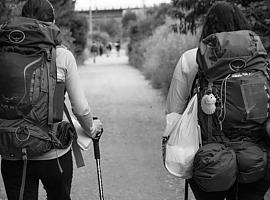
(94, 51)
(118, 47)
(101, 49)
(108, 49)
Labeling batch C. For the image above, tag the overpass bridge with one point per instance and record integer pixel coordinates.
(101, 14)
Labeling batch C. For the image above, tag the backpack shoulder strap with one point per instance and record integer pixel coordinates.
(52, 71)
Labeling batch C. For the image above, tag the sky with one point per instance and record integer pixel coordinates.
(108, 4)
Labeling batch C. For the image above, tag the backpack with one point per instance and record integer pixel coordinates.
(31, 99)
(233, 101)
(233, 86)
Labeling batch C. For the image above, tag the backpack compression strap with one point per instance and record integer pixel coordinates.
(52, 71)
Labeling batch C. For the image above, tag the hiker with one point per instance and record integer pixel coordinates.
(118, 47)
(94, 51)
(221, 17)
(54, 168)
(108, 48)
(101, 47)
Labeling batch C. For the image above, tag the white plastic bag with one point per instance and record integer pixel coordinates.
(184, 141)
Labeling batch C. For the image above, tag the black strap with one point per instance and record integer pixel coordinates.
(51, 70)
(75, 147)
(186, 189)
(24, 157)
(209, 127)
(194, 87)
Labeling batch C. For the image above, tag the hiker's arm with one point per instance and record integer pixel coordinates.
(181, 83)
(177, 95)
(79, 103)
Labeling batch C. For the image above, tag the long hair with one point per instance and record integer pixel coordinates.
(224, 17)
(39, 9)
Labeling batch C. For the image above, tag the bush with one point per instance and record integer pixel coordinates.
(67, 38)
(111, 27)
(99, 36)
(79, 29)
(163, 51)
(140, 26)
(136, 52)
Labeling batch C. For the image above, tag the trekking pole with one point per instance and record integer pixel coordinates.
(186, 190)
(97, 158)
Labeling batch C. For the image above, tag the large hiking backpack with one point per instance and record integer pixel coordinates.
(234, 73)
(31, 100)
(233, 100)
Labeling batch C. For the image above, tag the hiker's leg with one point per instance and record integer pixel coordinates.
(253, 191)
(202, 195)
(57, 184)
(12, 172)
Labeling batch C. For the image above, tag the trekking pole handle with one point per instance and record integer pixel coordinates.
(96, 143)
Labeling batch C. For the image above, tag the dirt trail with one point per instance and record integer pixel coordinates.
(133, 116)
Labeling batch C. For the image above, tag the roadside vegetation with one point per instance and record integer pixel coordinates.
(158, 36)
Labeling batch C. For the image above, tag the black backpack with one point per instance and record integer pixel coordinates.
(31, 99)
(234, 102)
(234, 72)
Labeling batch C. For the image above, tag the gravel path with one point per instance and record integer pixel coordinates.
(133, 116)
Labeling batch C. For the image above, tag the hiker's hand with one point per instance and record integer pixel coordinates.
(96, 130)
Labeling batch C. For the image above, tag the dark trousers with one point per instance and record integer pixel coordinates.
(239, 191)
(56, 184)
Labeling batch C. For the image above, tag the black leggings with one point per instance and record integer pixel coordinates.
(56, 184)
(240, 191)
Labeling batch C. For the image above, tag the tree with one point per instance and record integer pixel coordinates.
(191, 13)
(141, 26)
(110, 26)
(79, 28)
(64, 10)
(128, 17)
(101, 37)
(9, 8)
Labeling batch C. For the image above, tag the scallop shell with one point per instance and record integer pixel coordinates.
(208, 104)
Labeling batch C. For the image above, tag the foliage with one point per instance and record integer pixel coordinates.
(64, 10)
(140, 28)
(191, 12)
(110, 26)
(79, 28)
(9, 8)
(128, 17)
(136, 54)
(67, 39)
(163, 51)
(102, 37)
(259, 15)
